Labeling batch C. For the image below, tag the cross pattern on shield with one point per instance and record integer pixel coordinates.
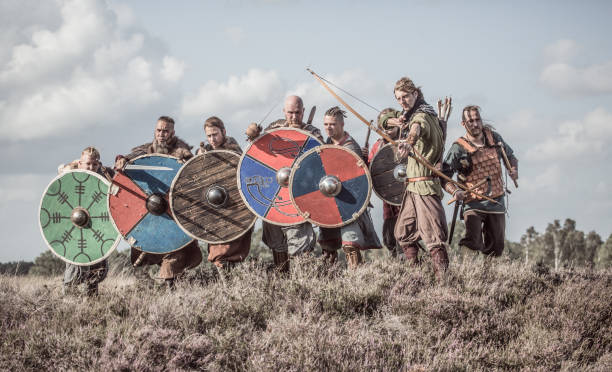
(74, 218)
(138, 204)
(205, 200)
(386, 172)
(330, 186)
(263, 174)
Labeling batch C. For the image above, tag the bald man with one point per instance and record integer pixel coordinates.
(297, 239)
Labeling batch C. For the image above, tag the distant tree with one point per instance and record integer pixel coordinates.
(15, 267)
(552, 240)
(604, 254)
(532, 245)
(592, 243)
(47, 264)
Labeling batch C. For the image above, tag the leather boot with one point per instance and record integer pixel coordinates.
(329, 257)
(440, 261)
(281, 261)
(353, 256)
(411, 253)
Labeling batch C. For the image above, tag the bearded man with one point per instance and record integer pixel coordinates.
(421, 215)
(477, 156)
(91, 275)
(296, 239)
(165, 142)
(225, 255)
(359, 234)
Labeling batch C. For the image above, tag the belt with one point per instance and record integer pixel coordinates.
(417, 179)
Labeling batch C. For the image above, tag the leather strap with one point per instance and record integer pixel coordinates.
(417, 179)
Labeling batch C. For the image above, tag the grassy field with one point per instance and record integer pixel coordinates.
(383, 316)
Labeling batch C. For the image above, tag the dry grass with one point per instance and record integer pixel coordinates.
(383, 316)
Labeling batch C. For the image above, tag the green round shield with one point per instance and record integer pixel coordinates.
(74, 218)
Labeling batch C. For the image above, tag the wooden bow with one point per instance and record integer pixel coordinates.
(415, 154)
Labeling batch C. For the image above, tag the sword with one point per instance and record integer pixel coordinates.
(147, 167)
(452, 229)
(312, 113)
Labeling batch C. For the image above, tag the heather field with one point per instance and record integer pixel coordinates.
(383, 316)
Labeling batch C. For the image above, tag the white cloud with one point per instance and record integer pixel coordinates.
(172, 69)
(561, 50)
(88, 69)
(252, 93)
(566, 79)
(235, 34)
(585, 139)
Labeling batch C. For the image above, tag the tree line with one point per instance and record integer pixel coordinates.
(560, 245)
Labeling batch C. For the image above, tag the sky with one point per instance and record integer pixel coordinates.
(92, 72)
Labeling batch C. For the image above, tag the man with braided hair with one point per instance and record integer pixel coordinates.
(359, 234)
(225, 255)
(91, 275)
(421, 215)
(475, 157)
(295, 239)
(165, 142)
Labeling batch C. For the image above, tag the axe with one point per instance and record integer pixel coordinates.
(506, 161)
(312, 113)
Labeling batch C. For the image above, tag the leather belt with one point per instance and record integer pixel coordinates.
(417, 179)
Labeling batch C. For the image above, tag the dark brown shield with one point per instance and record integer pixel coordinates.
(384, 182)
(205, 200)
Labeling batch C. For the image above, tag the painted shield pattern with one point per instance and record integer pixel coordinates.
(263, 174)
(205, 200)
(386, 176)
(330, 186)
(138, 204)
(74, 218)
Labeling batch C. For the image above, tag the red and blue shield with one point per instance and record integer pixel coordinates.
(263, 174)
(330, 186)
(139, 207)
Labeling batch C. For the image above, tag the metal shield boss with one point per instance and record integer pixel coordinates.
(205, 200)
(388, 175)
(263, 174)
(74, 218)
(330, 186)
(138, 204)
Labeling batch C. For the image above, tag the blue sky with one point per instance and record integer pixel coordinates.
(79, 73)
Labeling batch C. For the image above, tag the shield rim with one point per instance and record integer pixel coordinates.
(373, 188)
(171, 215)
(170, 198)
(294, 162)
(320, 149)
(119, 236)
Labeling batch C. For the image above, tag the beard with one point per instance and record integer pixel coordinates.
(161, 147)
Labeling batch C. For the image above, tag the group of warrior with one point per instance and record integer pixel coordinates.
(417, 128)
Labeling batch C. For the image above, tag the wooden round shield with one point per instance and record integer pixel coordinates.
(74, 218)
(205, 200)
(330, 186)
(384, 182)
(138, 204)
(263, 174)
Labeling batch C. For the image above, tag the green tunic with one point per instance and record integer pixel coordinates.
(430, 144)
